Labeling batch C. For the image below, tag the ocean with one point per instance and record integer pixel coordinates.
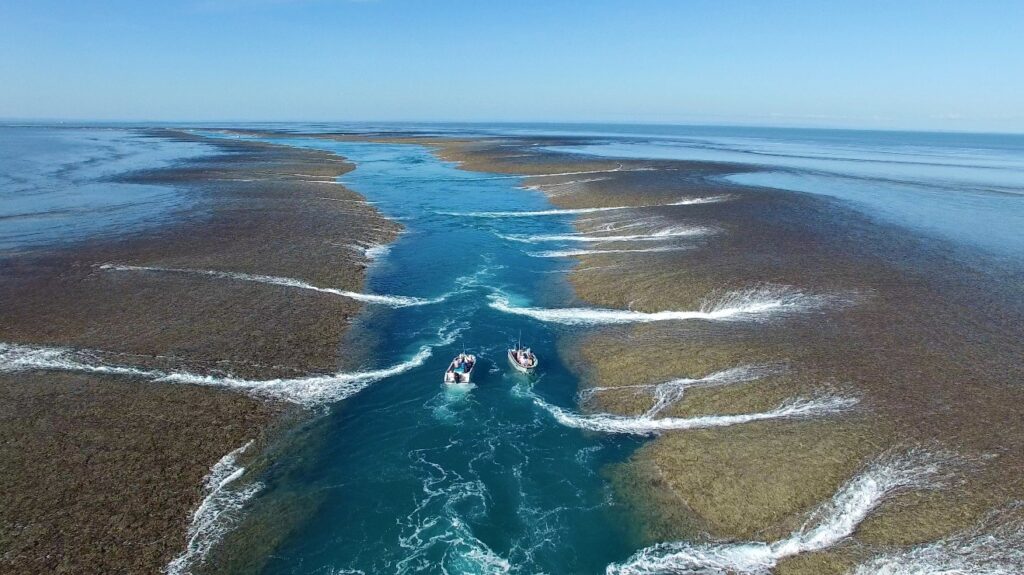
(398, 473)
(60, 184)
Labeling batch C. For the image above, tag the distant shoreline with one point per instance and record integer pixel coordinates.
(421, 125)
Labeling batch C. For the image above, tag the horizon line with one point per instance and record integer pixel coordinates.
(837, 127)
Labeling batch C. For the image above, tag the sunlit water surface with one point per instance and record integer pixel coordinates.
(58, 184)
(967, 188)
(419, 477)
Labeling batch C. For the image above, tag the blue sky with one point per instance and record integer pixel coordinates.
(916, 65)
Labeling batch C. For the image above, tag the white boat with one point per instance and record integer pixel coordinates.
(522, 359)
(461, 369)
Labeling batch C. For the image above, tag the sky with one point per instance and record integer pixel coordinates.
(928, 65)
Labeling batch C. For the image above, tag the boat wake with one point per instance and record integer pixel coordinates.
(830, 523)
(387, 300)
(573, 211)
(825, 404)
(993, 547)
(749, 304)
(310, 391)
(437, 532)
(670, 392)
(217, 513)
(662, 234)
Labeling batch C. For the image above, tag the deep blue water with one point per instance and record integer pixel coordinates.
(420, 477)
(55, 183)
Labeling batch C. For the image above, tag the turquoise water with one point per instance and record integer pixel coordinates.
(960, 187)
(57, 184)
(417, 477)
(412, 476)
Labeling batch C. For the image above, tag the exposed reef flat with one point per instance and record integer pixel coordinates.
(102, 472)
(928, 344)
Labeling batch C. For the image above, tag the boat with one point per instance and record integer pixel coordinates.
(461, 369)
(522, 359)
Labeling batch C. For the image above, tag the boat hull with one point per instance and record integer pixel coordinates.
(454, 377)
(464, 378)
(518, 366)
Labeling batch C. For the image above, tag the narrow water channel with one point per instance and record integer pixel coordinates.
(416, 477)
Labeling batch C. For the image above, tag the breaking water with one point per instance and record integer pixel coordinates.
(967, 188)
(759, 303)
(504, 475)
(833, 521)
(417, 477)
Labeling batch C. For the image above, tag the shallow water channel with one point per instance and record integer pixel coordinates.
(416, 477)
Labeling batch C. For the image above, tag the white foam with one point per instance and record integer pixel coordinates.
(479, 277)
(528, 176)
(619, 168)
(217, 512)
(993, 547)
(750, 304)
(829, 524)
(670, 392)
(377, 251)
(547, 187)
(370, 251)
(309, 391)
(574, 253)
(702, 200)
(387, 300)
(25, 358)
(615, 226)
(530, 214)
(662, 234)
(438, 526)
(648, 425)
(573, 211)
